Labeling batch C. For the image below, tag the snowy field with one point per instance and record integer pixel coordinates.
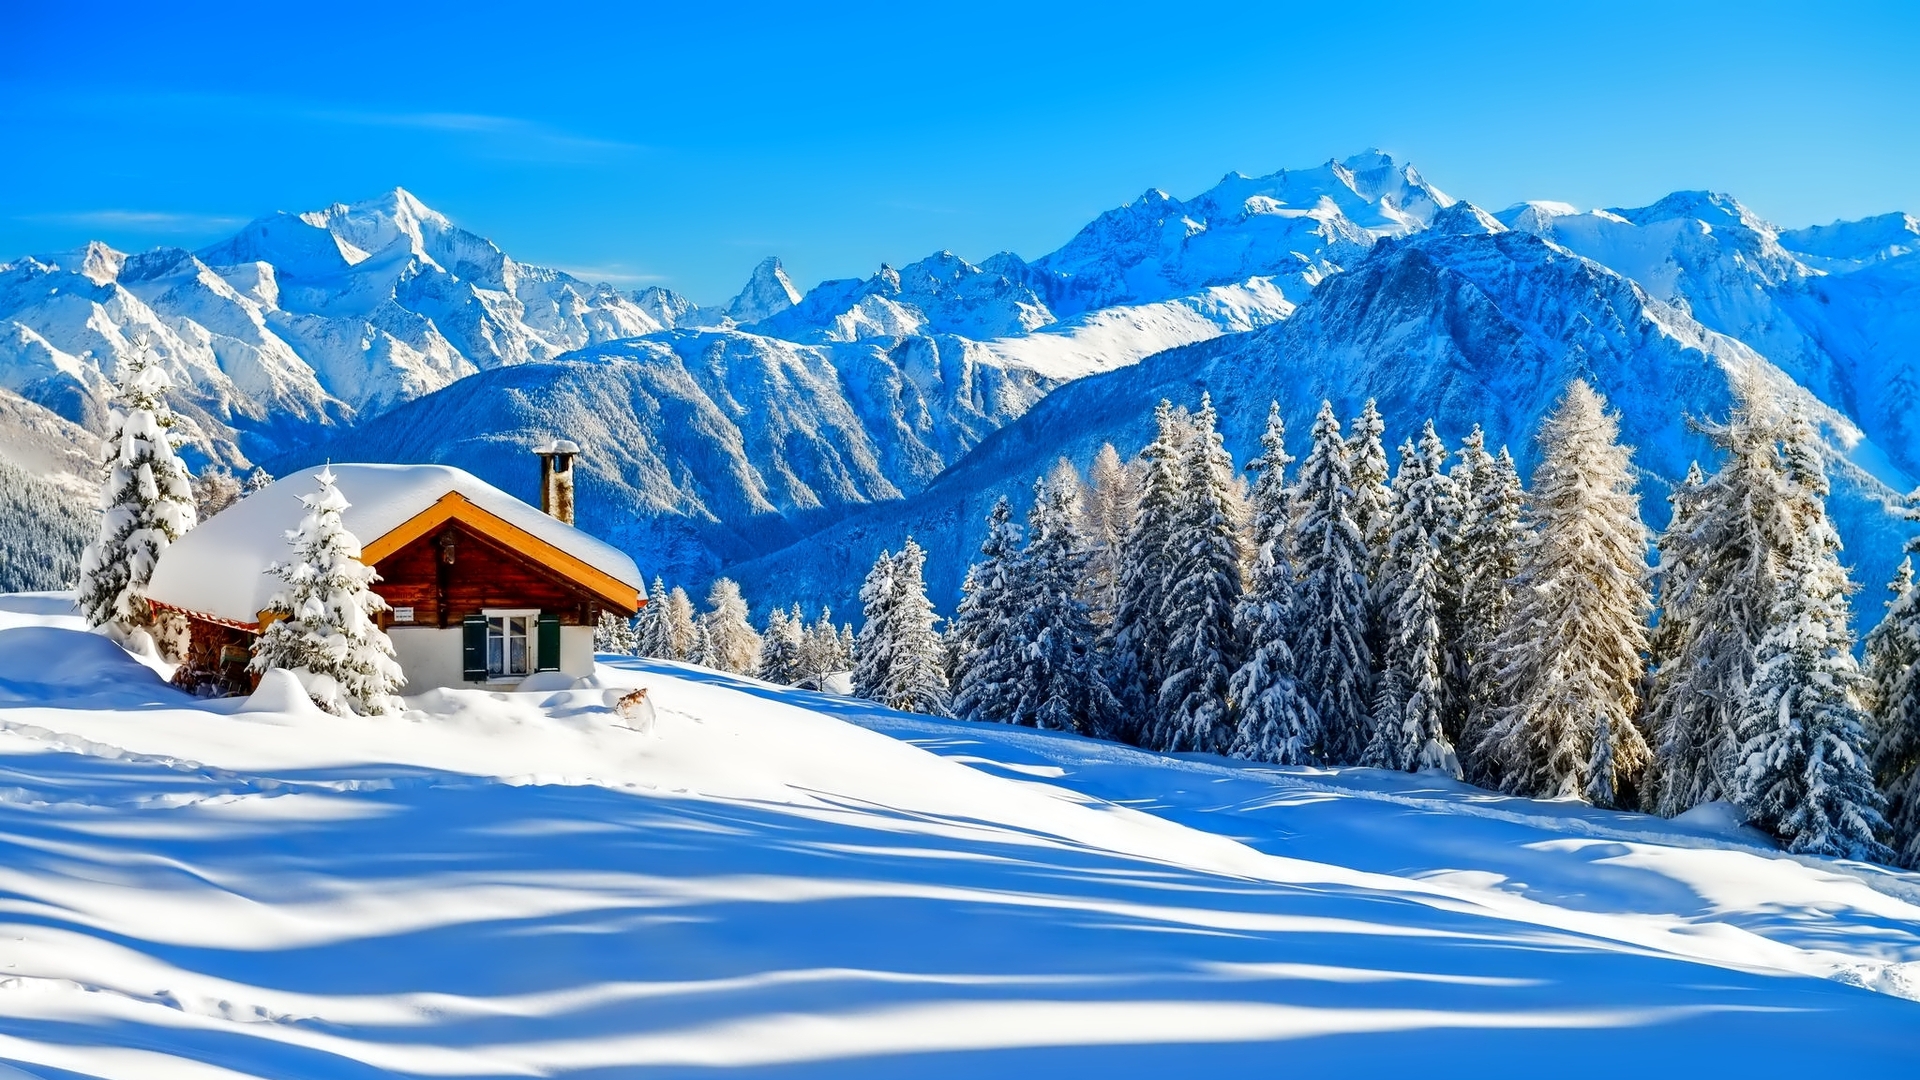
(519, 885)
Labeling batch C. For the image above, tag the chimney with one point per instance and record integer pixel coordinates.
(556, 478)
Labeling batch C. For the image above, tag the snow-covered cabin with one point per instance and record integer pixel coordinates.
(484, 589)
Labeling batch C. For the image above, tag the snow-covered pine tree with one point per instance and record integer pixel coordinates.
(1456, 665)
(1803, 772)
(1109, 503)
(780, 647)
(1057, 677)
(1489, 545)
(257, 479)
(613, 634)
(1720, 561)
(1203, 646)
(898, 658)
(1410, 736)
(1893, 682)
(821, 651)
(146, 496)
(1571, 653)
(1373, 515)
(985, 633)
(1273, 720)
(1137, 637)
(1331, 601)
(653, 628)
(735, 643)
(326, 631)
(701, 653)
(682, 624)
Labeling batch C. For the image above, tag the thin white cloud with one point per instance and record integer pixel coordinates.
(141, 221)
(614, 274)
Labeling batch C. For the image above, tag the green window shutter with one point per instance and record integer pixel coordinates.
(473, 647)
(548, 658)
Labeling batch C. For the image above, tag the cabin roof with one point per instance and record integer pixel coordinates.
(220, 568)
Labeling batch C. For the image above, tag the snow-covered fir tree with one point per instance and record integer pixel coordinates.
(1273, 720)
(1893, 693)
(985, 633)
(730, 634)
(682, 622)
(1109, 503)
(326, 629)
(146, 499)
(1204, 589)
(653, 627)
(1409, 734)
(614, 634)
(701, 652)
(897, 660)
(1720, 561)
(1137, 637)
(1373, 515)
(1803, 772)
(822, 652)
(257, 479)
(1489, 542)
(1057, 678)
(1570, 656)
(781, 646)
(1332, 603)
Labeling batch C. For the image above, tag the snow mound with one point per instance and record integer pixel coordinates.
(39, 663)
(280, 692)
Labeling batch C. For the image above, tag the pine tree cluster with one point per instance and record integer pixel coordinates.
(1451, 620)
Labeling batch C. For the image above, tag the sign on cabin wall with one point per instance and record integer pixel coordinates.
(403, 614)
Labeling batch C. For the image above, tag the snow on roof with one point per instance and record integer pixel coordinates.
(220, 568)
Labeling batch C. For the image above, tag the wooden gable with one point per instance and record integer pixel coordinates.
(455, 559)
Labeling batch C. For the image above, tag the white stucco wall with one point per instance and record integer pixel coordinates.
(429, 656)
(576, 650)
(432, 657)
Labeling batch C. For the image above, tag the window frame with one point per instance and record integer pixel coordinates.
(531, 638)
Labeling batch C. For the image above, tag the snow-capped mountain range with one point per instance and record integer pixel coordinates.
(839, 417)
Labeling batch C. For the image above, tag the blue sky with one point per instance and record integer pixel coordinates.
(681, 144)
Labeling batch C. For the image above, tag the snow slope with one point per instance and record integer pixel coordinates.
(516, 885)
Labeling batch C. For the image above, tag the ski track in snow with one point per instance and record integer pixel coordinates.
(515, 885)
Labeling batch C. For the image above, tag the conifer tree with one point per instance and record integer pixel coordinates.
(780, 647)
(1472, 467)
(613, 634)
(702, 653)
(653, 627)
(1203, 648)
(1803, 772)
(682, 626)
(898, 659)
(1720, 562)
(1373, 515)
(1273, 720)
(986, 628)
(1410, 737)
(734, 643)
(1109, 503)
(822, 652)
(1489, 545)
(146, 496)
(1332, 601)
(1571, 653)
(1138, 636)
(1893, 692)
(1058, 681)
(327, 631)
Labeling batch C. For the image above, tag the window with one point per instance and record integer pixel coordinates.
(510, 643)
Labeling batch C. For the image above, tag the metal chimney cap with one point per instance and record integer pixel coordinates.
(557, 446)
